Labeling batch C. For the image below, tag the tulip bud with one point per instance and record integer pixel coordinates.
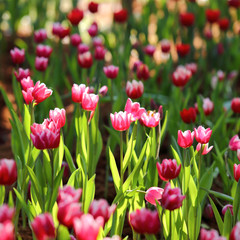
(202, 135)
(235, 105)
(93, 29)
(181, 76)
(223, 24)
(134, 89)
(22, 73)
(43, 51)
(188, 115)
(149, 50)
(183, 49)
(75, 39)
(103, 91)
(212, 15)
(121, 121)
(111, 71)
(208, 106)
(143, 72)
(66, 172)
(8, 171)
(93, 7)
(27, 83)
(41, 63)
(18, 55)
(208, 212)
(75, 16)
(40, 35)
(187, 19)
(85, 60)
(168, 169)
(165, 46)
(234, 143)
(99, 53)
(236, 171)
(121, 16)
(226, 207)
(185, 139)
(153, 194)
(82, 48)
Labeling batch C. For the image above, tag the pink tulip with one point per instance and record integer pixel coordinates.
(134, 109)
(27, 95)
(77, 92)
(7, 230)
(192, 67)
(27, 83)
(121, 121)
(43, 51)
(85, 60)
(208, 106)
(93, 29)
(103, 91)
(60, 31)
(134, 89)
(185, 139)
(210, 235)
(40, 35)
(236, 171)
(153, 194)
(202, 135)
(86, 227)
(97, 42)
(89, 101)
(111, 71)
(101, 208)
(168, 169)
(165, 46)
(226, 207)
(43, 227)
(22, 73)
(181, 76)
(171, 198)
(235, 233)
(8, 171)
(204, 147)
(238, 154)
(40, 92)
(99, 53)
(69, 194)
(58, 116)
(150, 119)
(234, 143)
(41, 63)
(220, 75)
(6, 213)
(18, 55)
(145, 221)
(149, 50)
(235, 105)
(82, 48)
(75, 39)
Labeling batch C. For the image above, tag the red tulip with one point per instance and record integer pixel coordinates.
(236, 171)
(234, 3)
(234, 143)
(93, 29)
(68, 194)
(60, 31)
(7, 230)
(43, 227)
(153, 194)
(27, 83)
(183, 49)
(99, 53)
(93, 7)
(168, 169)
(165, 46)
(40, 92)
(188, 115)
(75, 16)
(75, 39)
(185, 139)
(202, 135)
(6, 213)
(85, 60)
(220, 75)
(22, 73)
(208, 212)
(18, 55)
(149, 50)
(41, 63)
(145, 221)
(181, 76)
(150, 119)
(220, 48)
(134, 109)
(226, 207)
(8, 171)
(235, 105)
(58, 116)
(171, 198)
(208, 106)
(212, 15)
(134, 89)
(111, 71)
(66, 172)
(187, 19)
(40, 35)
(204, 148)
(223, 24)
(121, 121)
(89, 101)
(77, 92)
(136, 65)
(210, 235)
(43, 51)
(143, 72)
(82, 48)
(235, 233)
(121, 16)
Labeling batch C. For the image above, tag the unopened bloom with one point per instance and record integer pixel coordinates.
(27, 83)
(223, 24)
(149, 50)
(168, 169)
(145, 221)
(212, 15)
(82, 48)
(234, 3)
(99, 53)
(150, 119)
(121, 121)
(134, 89)
(121, 16)
(236, 171)
(86, 227)
(187, 19)
(7, 230)
(101, 208)
(41, 63)
(191, 67)
(45, 135)
(111, 71)
(204, 148)
(235, 233)
(69, 194)
(85, 59)
(66, 172)
(43, 227)
(226, 207)
(103, 90)
(165, 46)
(75, 39)
(43, 51)
(22, 73)
(77, 92)
(208, 106)
(183, 49)
(18, 55)
(171, 198)
(40, 92)
(6, 213)
(75, 16)
(60, 30)
(153, 194)
(185, 139)
(58, 116)
(97, 41)
(89, 101)
(40, 35)
(134, 109)
(93, 7)
(220, 75)
(208, 211)
(234, 143)
(142, 72)
(181, 76)
(8, 171)
(188, 115)
(93, 29)
(202, 135)
(235, 105)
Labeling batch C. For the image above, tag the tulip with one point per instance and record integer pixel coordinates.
(27, 95)
(150, 119)
(226, 207)
(204, 148)
(143, 72)
(101, 208)
(75, 16)
(22, 73)
(234, 143)
(66, 172)
(45, 135)
(7, 230)
(187, 19)
(212, 15)
(121, 16)
(86, 227)
(185, 139)
(27, 83)
(72, 237)
(97, 42)
(134, 89)
(192, 67)
(60, 31)
(165, 46)
(40, 35)
(93, 7)
(68, 194)
(210, 235)
(103, 91)
(43, 227)
(121, 121)
(6, 213)
(181, 76)
(43, 51)
(171, 198)
(208, 106)
(77, 92)
(235, 105)
(89, 101)
(75, 39)
(41, 63)
(183, 49)
(235, 233)
(40, 92)
(111, 71)
(188, 115)
(153, 194)
(234, 3)
(8, 171)
(208, 212)
(58, 116)
(223, 24)
(136, 65)
(220, 75)
(145, 221)
(99, 53)
(168, 169)
(149, 50)
(18, 55)
(236, 171)
(93, 29)
(85, 60)
(208, 34)
(82, 48)
(202, 135)
(134, 109)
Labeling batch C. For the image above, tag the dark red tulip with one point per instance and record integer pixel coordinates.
(75, 16)
(187, 19)
(188, 115)
(121, 16)
(183, 49)
(212, 15)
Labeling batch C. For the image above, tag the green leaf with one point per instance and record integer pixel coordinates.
(114, 170)
(72, 179)
(90, 192)
(62, 233)
(26, 120)
(69, 159)
(177, 157)
(192, 191)
(47, 166)
(2, 194)
(164, 126)
(236, 203)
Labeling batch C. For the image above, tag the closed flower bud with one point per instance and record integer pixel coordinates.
(153, 194)
(134, 109)
(93, 7)
(181, 76)
(121, 16)
(121, 121)
(204, 148)
(66, 172)
(234, 3)
(185, 139)
(202, 135)
(165, 46)
(82, 48)
(75, 16)
(40, 92)
(97, 42)
(85, 60)
(183, 49)
(43, 51)
(7, 230)
(208, 106)
(143, 72)
(60, 31)
(27, 83)
(6, 213)
(208, 212)
(103, 91)
(212, 15)
(40, 35)
(168, 169)
(235, 233)
(58, 116)
(223, 24)
(149, 50)
(18, 55)
(150, 119)
(8, 171)
(111, 71)
(236, 171)
(43, 227)
(145, 221)
(134, 89)
(22, 73)
(89, 101)
(41, 63)
(226, 207)
(99, 53)
(210, 235)
(68, 194)
(171, 198)
(187, 19)
(75, 39)
(192, 67)
(235, 105)
(93, 29)
(234, 143)
(77, 92)
(188, 115)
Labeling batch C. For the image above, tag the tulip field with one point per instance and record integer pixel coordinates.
(121, 120)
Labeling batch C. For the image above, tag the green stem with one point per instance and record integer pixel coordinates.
(121, 158)
(159, 140)
(170, 222)
(111, 90)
